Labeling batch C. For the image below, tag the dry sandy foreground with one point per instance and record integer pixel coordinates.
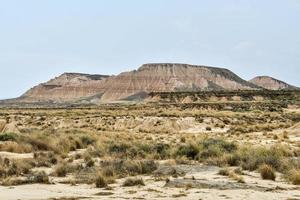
(200, 182)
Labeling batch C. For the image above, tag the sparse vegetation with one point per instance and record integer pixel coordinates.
(293, 176)
(99, 146)
(100, 181)
(267, 172)
(129, 182)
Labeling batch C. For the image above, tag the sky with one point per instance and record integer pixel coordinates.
(42, 39)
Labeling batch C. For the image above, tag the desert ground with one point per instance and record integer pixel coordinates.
(220, 148)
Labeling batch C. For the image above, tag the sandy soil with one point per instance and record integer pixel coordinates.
(258, 189)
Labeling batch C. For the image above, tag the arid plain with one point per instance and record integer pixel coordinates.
(178, 145)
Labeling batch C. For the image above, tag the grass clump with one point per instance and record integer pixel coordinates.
(39, 177)
(100, 181)
(8, 137)
(188, 150)
(224, 172)
(267, 172)
(253, 158)
(129, 182)
(293, 176)
(63, 168)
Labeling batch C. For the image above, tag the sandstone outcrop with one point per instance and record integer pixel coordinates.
(271, 83)
(67, 87)
(137, 84)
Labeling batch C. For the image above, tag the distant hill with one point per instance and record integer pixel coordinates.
(136, 84)
(271, 83)
(66, 87)
(168, 77)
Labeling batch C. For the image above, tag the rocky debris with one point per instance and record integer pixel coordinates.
(271, 83)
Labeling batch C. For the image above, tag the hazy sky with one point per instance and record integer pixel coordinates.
(40, 39)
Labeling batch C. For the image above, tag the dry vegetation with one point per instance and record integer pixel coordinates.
(99, 146)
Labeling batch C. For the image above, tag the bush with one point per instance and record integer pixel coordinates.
(87, 140)
(39, 177)
(225, 146)
(8, 137)
(100, 181)
(255, 157)
(129, 182)
(118, 147)
(267, 172)
(39, 145)
(224, 172)
(293, 176)
(232, 159)
(89, 161)
(190, 151)
(130, 167)
(61, 170)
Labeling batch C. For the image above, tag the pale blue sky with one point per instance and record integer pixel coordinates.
(40, 39)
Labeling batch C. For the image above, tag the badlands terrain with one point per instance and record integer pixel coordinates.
(164, 131)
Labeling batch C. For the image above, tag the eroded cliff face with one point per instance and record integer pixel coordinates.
(271, 83)
(160, 77)
(172, 77)
(67, 87)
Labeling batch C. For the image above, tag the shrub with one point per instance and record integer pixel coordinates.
(39, 177)
(100, 181)
(224, 172)
(238, 171)
(118, 147)
(211, 151)
(233, 159)
(107, 171)
(39, 145)
(89, 161)
(129, 182)
(228, 147)
(237, 178)
(293, 176)
(61, 170)
(8, 137)
(190, 151)
(11, 146)
(267, 172)
(161, 149)
(87, 140)
(254, 157)
(130, 167)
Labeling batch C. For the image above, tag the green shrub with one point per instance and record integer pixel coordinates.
(252, 158)
(223, 145)
(189, 150)
(8, 137)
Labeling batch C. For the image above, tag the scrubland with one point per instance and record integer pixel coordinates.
(150, 151)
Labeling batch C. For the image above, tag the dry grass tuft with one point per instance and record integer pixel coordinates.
(267, 172)
(129, 182)
(293, 176)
